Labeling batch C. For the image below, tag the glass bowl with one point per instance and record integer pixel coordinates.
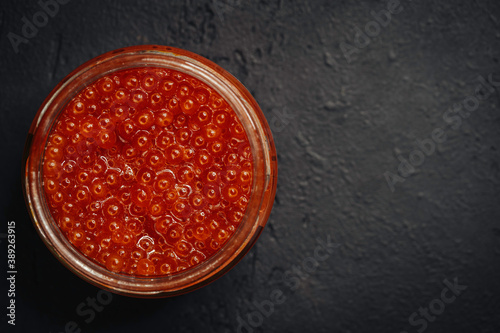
(262, 192)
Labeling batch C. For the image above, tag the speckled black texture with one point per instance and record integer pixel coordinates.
(338, 128)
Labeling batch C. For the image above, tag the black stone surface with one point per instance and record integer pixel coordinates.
(339, 125)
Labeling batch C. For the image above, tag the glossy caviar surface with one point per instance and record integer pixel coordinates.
(148, 171)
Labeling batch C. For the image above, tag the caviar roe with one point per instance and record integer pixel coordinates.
(148, 171)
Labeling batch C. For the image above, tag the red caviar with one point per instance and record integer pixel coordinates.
(148, 171)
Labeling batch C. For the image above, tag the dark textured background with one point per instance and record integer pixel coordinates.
(346, 125)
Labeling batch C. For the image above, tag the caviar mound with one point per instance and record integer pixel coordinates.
(148, 171)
